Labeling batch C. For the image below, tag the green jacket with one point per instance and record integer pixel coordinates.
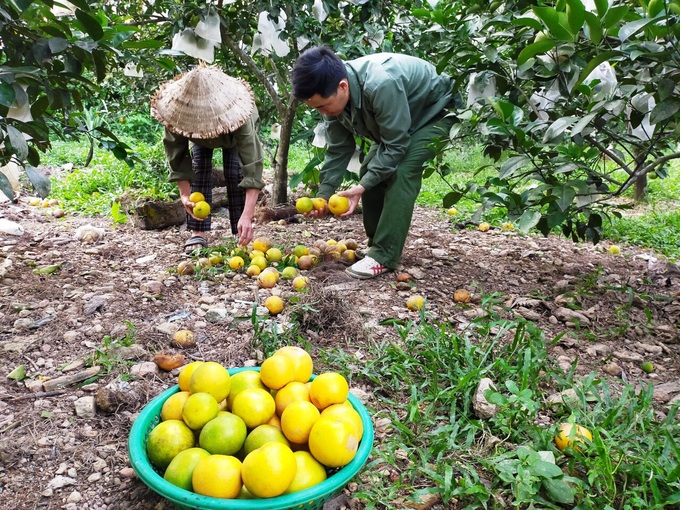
(391, 96)
(244, 140)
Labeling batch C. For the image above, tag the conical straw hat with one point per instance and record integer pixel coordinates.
(203, 103)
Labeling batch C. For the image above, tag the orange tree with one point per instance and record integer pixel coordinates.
(53, 60)
(576, 101)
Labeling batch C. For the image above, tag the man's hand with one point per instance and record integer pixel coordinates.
(353, 195)
(245, 229)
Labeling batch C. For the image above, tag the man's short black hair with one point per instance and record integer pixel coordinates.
(317, 71)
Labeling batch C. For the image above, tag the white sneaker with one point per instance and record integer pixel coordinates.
(366, 268)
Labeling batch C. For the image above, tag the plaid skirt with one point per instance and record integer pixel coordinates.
(202, 164)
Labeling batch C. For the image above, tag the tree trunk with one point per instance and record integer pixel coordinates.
(280, 188)
(640, 191)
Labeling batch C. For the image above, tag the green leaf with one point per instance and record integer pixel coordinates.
(537, 48)
(7, 94)
(6, 186)
(614, 15)
(18, 374)
(582, 123)
(90, 24)
(41, 183)
(565, 196)
(664, 110)
(630, 29)
(546, 469)
(593, 28)
(576, 13)
(18, 142)
(145, 44)
(528, 220)
(557, 128)
(512, 165)
(57, 44)
(559, 491)
(528, 22)
(602, 57)
(550, 17)
(602, 6)
(451, 198)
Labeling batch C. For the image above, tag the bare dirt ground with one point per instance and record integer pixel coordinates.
(65, 445)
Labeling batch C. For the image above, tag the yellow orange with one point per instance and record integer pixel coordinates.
(186, 373)
(338, 204)
(327, 389)
(269, 470)
(302, 361)
(211, 378)
(172, 407)
(218, 476)
(309, 472)
(297, 421)
(254, 406)
(348, 413)
(294, 391)
(333, 442)
(277, 371)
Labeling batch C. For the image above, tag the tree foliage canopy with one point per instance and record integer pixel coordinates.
(575, 100)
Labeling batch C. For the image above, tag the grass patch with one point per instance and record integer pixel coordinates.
(92, 190)
(434, 449)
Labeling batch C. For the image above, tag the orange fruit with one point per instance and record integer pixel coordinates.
(304, 205)
(572, 436)
(275, 421)
(261, 435)
(347, 413)
(297, 421)
(166, 440)
(266, 280)
(196, 197)
(181, 468)
(274, 304)
(338, 204)
(218, 476)
(327, 389)
(236, 262)
(273, 255)
(224, 434)
(259, 261)
(292, 392)
(269, 470)
(309, 472)
(333, 442)
(276, 371)
(262, 244)
(300, 250)
(172, 407)
(202, 209)
(199, 409)
(186, 373)
(319, 203)
(242, 380)
(254, 406)
(415, 302)
(302, 361)
(211, 378)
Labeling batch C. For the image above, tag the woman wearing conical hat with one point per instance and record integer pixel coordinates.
(204, 110)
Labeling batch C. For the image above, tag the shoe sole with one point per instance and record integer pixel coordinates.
(362, 276)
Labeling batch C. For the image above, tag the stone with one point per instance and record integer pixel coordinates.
(148, 368)
(482, 407)
(85, 407)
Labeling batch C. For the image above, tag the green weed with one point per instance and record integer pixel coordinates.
(108, 356)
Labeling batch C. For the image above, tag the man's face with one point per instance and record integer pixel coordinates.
(332, 105)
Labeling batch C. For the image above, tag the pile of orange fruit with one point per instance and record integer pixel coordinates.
(255, 434)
